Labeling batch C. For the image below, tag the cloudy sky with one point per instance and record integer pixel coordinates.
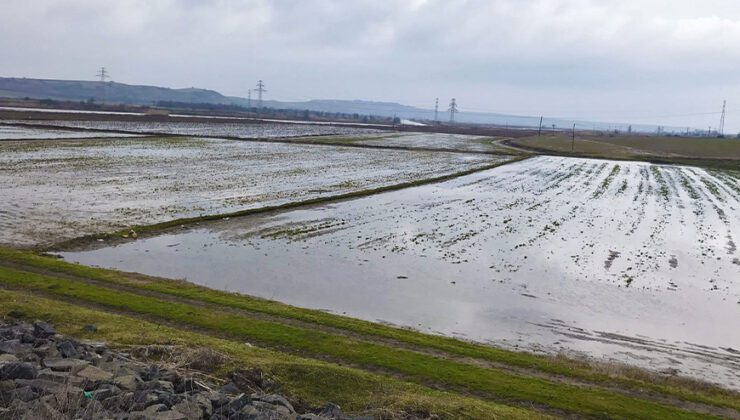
(643, 61)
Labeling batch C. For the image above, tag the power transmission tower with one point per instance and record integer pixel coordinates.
(249, 98)
(539, 130)
(573, 140)
(722, 119)
(103, 74)
(436, 109)
(260, 91)
(453, 110)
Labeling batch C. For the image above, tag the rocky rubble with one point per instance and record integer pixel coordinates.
(44, 375)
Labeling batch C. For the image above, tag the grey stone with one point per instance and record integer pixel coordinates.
(236, 404)
(189, 408)
(54, 376)
(90, 328)
(155, 408)
(65, 365)
(92, 411)
(230, 388)
(127, 382)
(274, 399)
(48, 387)
(170, 415)
(93, 374)
(67, 349)
(332, 411)
(12, 347)
(24, 393)
(42, 329)
(123, 401)
(273, 411)
(159, 386)
(8, 358)
(17, 370)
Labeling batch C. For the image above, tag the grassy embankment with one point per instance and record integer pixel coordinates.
(320, 357)
(707, 152)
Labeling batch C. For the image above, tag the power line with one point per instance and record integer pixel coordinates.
(722, 119)
(260, 90)
(453, 110)
(249, 98)
(103, 74)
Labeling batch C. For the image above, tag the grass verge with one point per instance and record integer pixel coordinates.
(489, 383)
(636, 379)
(307, 382)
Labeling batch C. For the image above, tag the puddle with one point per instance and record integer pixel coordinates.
(513, 256)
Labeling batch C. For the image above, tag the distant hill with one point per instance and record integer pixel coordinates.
(78, 90)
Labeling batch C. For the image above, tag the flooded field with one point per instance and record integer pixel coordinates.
(438, 141)
(623, 261)
(17, 132)
(64, 189)
(222, 129)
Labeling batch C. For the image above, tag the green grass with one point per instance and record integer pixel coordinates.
(704, 152)
(556, 366)
(606, 182)
(417, 367)
(309, 382)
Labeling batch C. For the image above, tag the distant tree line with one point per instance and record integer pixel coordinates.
(268, 112)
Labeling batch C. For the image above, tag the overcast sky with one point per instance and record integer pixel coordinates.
(641, 61)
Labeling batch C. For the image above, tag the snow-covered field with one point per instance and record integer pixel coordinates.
(626, 261)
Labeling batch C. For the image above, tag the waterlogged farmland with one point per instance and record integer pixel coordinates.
(629, 262)
(435, 141)
(19, 132)
(217, 129)
(63, 189)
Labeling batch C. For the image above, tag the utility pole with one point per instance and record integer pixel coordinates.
(260, 90)
(539, 130)
(249, 99)
(436, 110)
(573, 140)
(103, 74)
(453, 110)
(722, 119)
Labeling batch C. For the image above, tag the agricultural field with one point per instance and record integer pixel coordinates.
(424, 141)
(69, 188)
(638, 146)
(551, 255)
(216, 129)
(19, 132)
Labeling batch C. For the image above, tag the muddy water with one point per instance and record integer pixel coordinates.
(636, 264)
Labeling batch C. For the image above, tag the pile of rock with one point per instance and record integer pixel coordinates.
(45, 375)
